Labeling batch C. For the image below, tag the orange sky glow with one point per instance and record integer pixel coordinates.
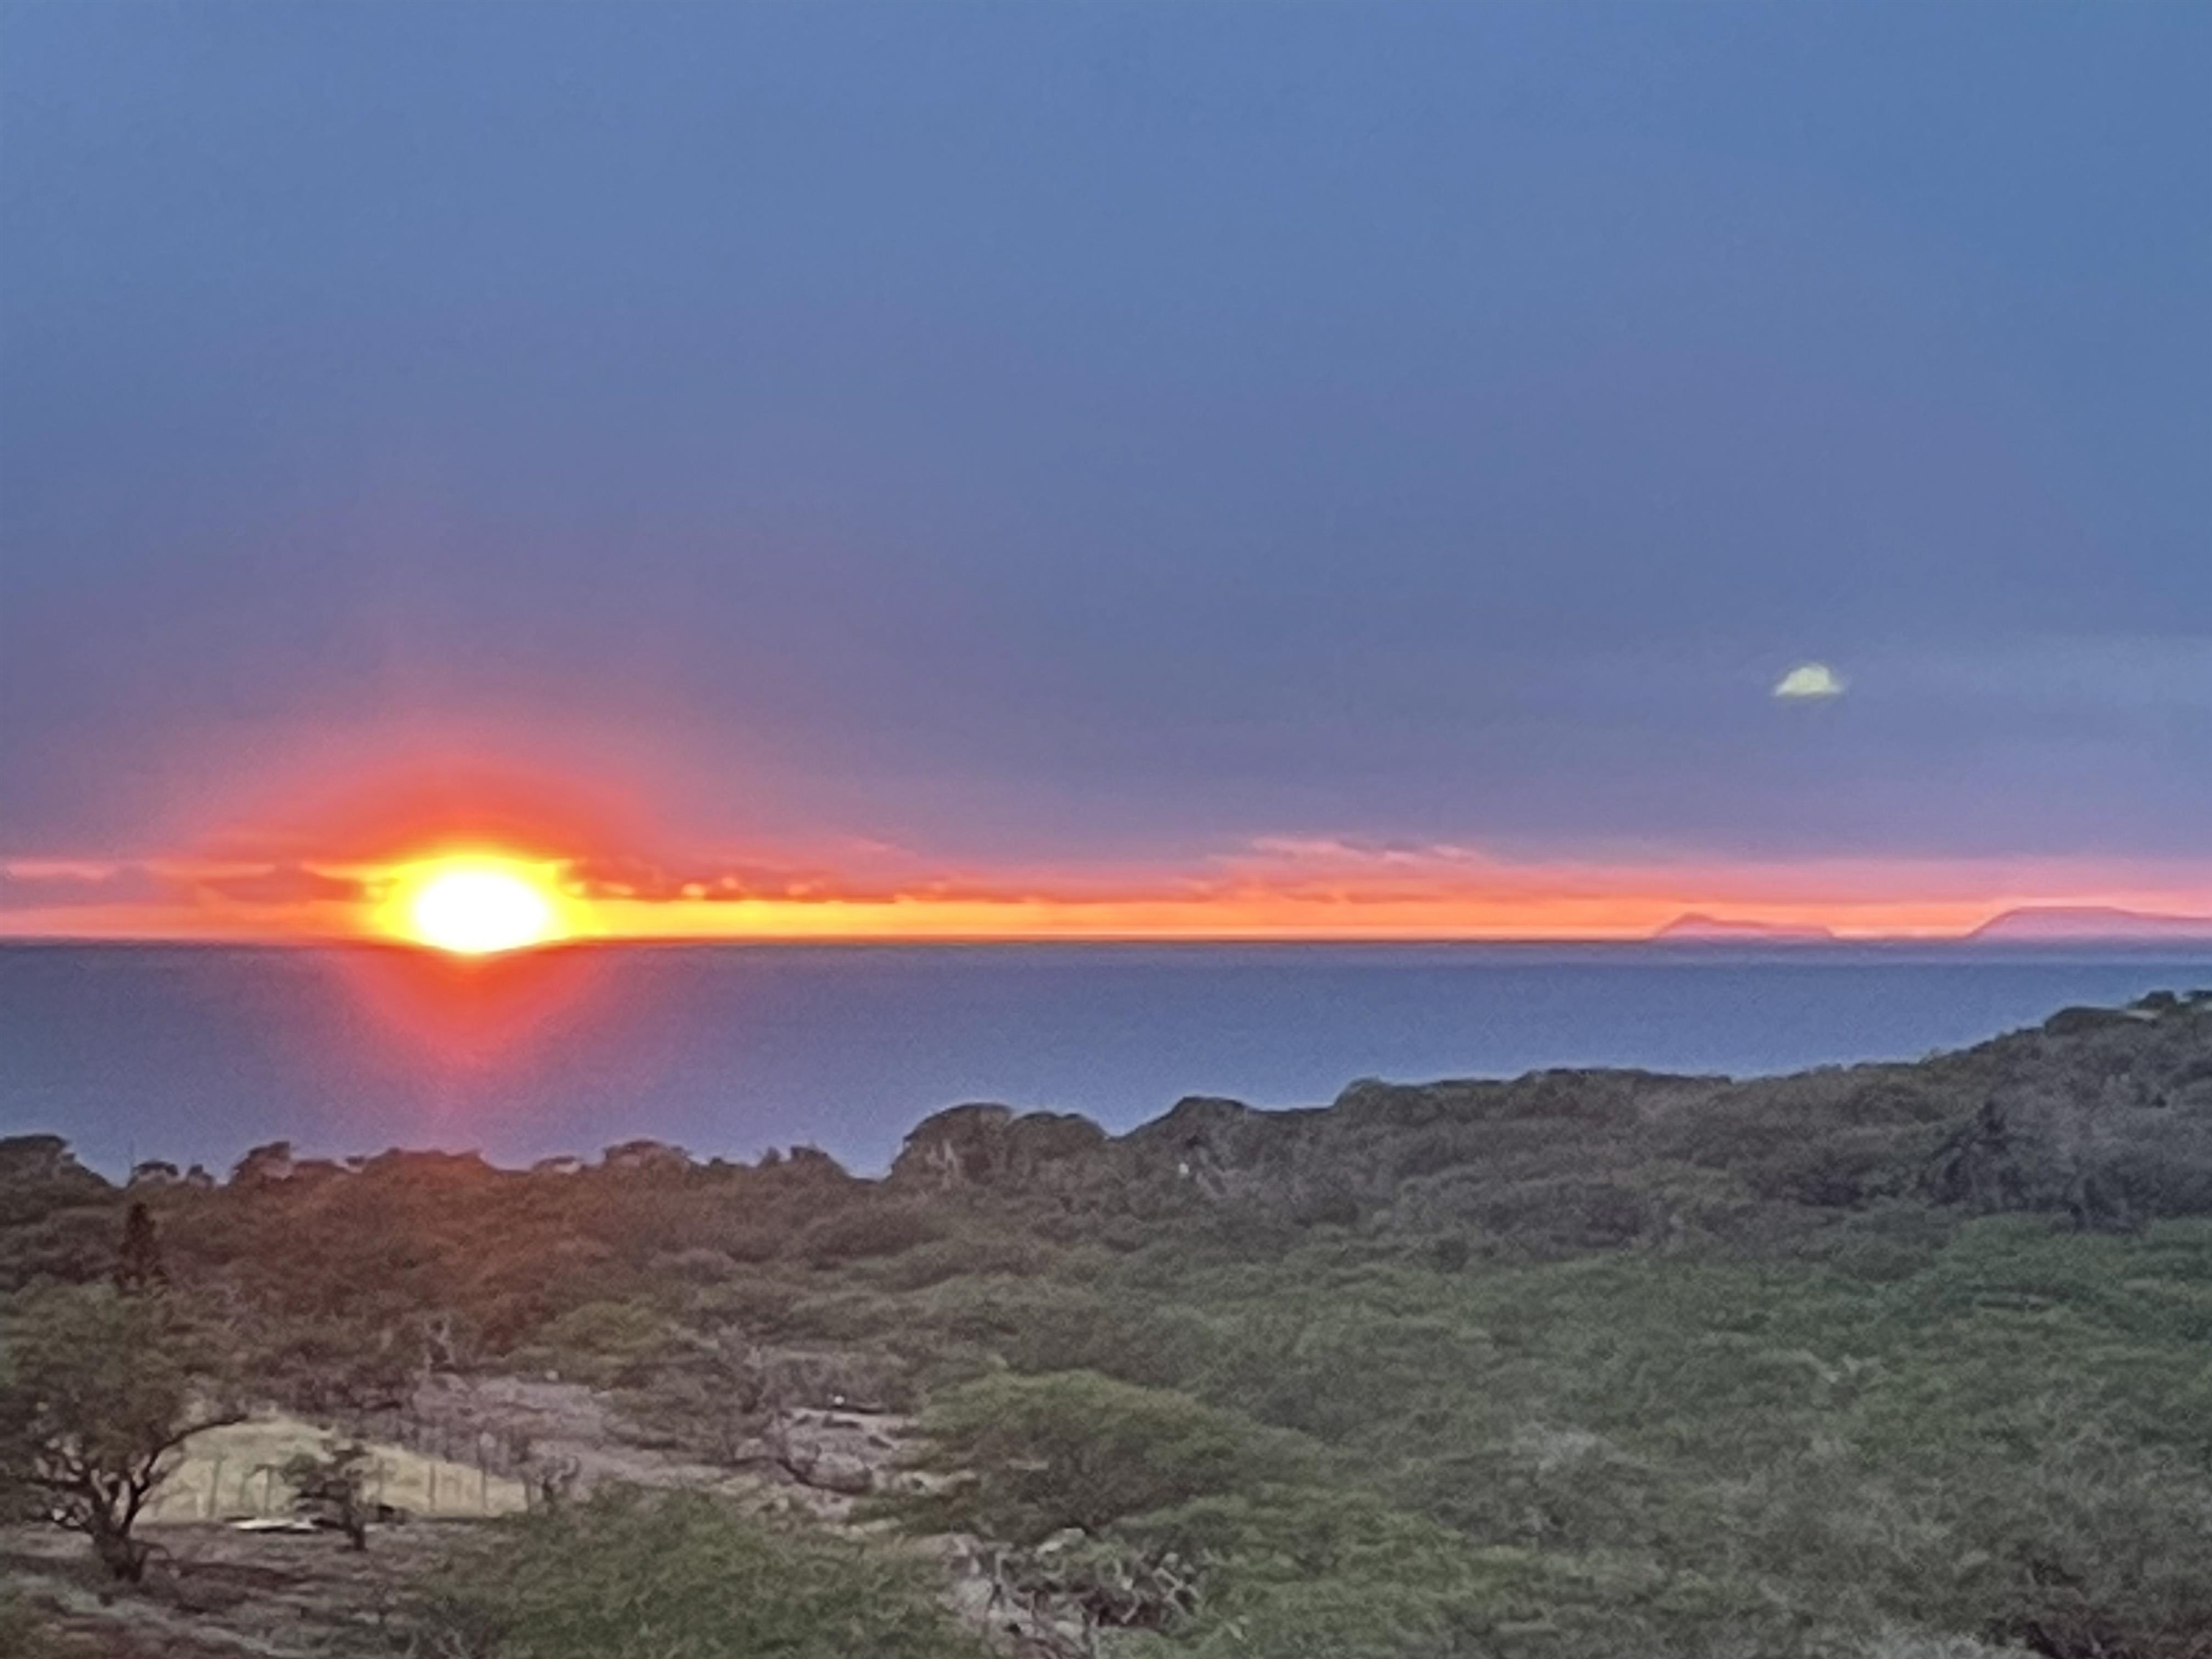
(350, 864)
(1286, 890)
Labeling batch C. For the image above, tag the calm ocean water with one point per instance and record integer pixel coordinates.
(193, 1054)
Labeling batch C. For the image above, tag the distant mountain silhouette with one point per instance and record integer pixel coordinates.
(1697, 925)
(2090, 921)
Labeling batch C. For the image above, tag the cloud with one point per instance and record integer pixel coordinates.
(646, 882)
(1809, 682)
(1296, 885)
(182, 885)
(56, 884)
(283, 884)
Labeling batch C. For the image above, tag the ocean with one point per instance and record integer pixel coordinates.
(194, 1052)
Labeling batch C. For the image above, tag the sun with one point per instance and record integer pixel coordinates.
(475, 907)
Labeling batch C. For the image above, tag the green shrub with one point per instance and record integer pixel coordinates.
(24, 1633)
(603, 1343)
(1339, 1369)
(866, 1230)
(1021, 1458)
(1058, 1326)
(961, 1255)
(682, 1576)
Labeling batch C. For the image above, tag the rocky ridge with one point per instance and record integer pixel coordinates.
(2103, 1115)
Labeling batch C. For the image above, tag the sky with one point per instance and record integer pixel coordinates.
(1160, 470)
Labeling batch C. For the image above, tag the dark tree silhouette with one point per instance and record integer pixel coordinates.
(138, 1267)
(333, 1486)
(99, 1392)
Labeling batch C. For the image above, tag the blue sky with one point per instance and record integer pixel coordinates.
(1038, 437)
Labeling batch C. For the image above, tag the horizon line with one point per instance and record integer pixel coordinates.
(2183, 936)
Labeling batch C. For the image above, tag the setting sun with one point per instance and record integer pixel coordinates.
(476, 907)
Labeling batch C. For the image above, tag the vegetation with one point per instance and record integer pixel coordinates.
(1023, 1458)
(333, 1484)
(23, 1634)
(1889, 1363)
(686, 1576)
(17, 1633)
(98, 1391)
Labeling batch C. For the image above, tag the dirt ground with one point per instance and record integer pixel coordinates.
(233, 1471)
(213, 1593)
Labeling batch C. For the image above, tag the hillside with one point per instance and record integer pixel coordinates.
(2105, 1116)
(1904, 1360)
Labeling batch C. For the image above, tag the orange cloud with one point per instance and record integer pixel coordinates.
(283, 884)
(1274, 888)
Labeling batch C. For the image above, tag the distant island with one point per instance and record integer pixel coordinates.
(2024, 925)
(2090, 923)
(1696, 925)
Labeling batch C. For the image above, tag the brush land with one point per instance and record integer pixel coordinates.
(1905, 1361)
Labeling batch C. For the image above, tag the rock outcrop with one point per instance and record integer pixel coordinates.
(29, 1158)
(645, 1155)
(265, 1165)
(2103, 1114)
(987, 1145)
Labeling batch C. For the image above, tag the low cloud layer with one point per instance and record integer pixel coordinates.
(1293, 886)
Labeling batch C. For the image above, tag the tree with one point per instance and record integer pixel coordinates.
(331, 1367)
(99, 1391)
(1022, 1458)
(138, 1264)
(333, 1485)
(714, 1395)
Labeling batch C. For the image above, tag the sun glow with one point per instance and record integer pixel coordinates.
(475, 907)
